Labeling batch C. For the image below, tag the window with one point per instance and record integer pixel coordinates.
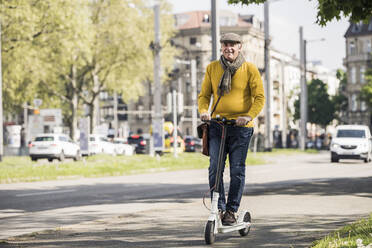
(44, 138)
(368, 45)
(363, 106)
(357, 27)
(352, 49)
(206, 18)
(353, 75)
(193, 40)
(362, 72)
(353, 102)
(346, 133)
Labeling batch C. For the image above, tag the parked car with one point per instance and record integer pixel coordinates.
(100, 144)
(192, 144)
(53, 146)
(351, 142)
(121, 148)
(141, 144)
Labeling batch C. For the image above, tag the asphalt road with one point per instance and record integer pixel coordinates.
(293, 201)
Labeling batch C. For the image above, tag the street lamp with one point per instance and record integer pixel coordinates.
(158, 117)
(304, 95)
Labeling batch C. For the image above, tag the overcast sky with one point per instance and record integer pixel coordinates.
(286, 16)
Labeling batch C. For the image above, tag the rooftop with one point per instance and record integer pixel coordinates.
(359, 29)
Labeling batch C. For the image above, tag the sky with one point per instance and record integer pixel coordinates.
(285, 18)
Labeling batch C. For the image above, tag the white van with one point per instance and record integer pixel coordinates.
(351, 142)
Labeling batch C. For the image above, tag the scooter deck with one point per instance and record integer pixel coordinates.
(237, 227)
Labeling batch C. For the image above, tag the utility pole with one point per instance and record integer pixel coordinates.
(175, 125)
(215, 29)
(303, 100)
(267, 80)
(25, 123)
(116, 126)
(1, 105)
(194, 113)
(157, 122)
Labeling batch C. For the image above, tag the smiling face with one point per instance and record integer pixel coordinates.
(230, 50)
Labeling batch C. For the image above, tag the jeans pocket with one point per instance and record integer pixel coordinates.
(245, 136)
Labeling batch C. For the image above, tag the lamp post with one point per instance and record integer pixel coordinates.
(157, 130)
(215, 29)
(304, 95)
(268, 145)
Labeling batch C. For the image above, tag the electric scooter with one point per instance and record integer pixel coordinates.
(214, 224)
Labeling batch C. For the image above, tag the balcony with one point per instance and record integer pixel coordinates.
(357, 58)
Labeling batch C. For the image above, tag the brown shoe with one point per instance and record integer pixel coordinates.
(221, 214)
(229, 218)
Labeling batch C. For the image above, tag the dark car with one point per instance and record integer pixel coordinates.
(192, 144)
(141, 144)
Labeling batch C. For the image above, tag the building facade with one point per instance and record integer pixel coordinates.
(358, 38)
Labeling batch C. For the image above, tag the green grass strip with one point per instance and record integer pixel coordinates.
(22, 169)
(355, 235)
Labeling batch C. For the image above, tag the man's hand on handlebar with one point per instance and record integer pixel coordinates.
(243, 120)
(205, 117)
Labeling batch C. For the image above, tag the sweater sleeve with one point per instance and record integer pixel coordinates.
(257, 91)
(205, 93)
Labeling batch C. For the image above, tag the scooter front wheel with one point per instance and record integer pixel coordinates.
(247, 218)
(209, 232)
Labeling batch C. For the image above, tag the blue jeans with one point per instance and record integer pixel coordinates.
(237, 142)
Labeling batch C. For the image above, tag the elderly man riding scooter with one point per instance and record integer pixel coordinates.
(239, 86)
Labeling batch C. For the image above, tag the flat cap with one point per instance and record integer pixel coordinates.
(231, 37)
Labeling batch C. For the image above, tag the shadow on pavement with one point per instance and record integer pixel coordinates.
(323, 187)
(153, 232)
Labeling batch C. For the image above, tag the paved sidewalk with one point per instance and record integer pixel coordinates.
(293, 202)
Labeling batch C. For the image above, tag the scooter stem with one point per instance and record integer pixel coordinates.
(214, 207)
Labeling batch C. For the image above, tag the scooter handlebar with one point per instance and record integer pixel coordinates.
(222, 120)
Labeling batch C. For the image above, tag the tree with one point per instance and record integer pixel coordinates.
(356, 10)
(73, 50)
(340, 100)
(320, 106)
(23, 22)
(366, 93)
(121, 59)
(43, 47)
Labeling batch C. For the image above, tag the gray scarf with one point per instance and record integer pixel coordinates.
(229, 70)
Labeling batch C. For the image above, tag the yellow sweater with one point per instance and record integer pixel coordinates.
(246, 97)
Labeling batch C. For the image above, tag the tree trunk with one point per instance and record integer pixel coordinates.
(94, 104)
(74, 104)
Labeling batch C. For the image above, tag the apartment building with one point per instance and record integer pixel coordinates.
(358, 39)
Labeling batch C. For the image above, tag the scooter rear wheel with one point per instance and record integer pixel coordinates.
(247, 218)
(209, 232)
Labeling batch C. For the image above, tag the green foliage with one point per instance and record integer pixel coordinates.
(320, 107)
(366, 93)
(73, 50)
(340, 100)
(356, 10)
